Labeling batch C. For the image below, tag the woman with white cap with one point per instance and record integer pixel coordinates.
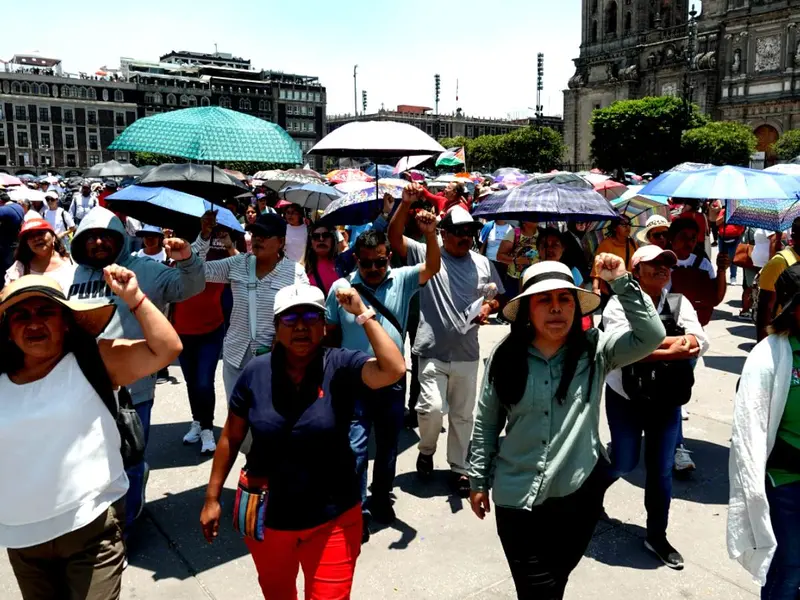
(299, 498)
(543, 385)
(646, 397)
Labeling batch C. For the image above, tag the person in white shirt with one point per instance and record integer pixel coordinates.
(82, 202)
(62, 512)
(296, 233)
(60, 220)
(40, 252)
(152, 243)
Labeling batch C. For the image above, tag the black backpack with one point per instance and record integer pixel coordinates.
(129, 425)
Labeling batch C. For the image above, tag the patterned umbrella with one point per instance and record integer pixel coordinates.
(306, 172)
(772, 215)
(210, 133)
(610, 189)
(359, 206)
(637, 208)
(345, 175)
(730, 183)
(6, 179)
(280, 179)
(561, 178)
(546, 202)
(511, 179)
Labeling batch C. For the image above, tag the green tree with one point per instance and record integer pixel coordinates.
(642, 135)
(788, 145)
(719, 143)
(529, 148)
(141, 159)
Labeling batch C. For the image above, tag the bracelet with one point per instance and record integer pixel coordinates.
(138, 304)
(365, 316)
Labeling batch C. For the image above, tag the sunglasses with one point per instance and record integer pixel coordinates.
(658, 235)
(367, 263)
(462, 231)
(309, 318)
(318, 237)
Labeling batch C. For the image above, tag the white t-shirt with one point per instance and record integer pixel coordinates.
(496, 235)
(160, 257)
(760, 255)
(63, 274)
(57, 218)
(296, 236)
(31, 214)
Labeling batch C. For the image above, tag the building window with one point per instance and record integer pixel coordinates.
(225, 102)
(94, 159)
(119, 119)
(204, 101)
(184, 100)
(148, 98)
(35, 89)
(119, 96)
(20, 114)
(22, 139)
(26, 88)
(628, 22)
(158, 98)
(83, 93)
(172, 100)
(611, 18)
(92, 94)
(2, 137)
(594, 32)
(44, 89)
(15, 87)
(69, 115)
(192, 101)
(71, 160)
(470, 131)
(69, 140)
(93, 142)
(45, 139)
(244, 104)
(282, 94)
(91, 117)
(44, 114)
(264, 105)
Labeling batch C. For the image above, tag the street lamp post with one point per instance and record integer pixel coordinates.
(355, 91)
(691, 50)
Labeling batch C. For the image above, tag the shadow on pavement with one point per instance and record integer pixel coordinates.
(436, 486)
(729, 364)
(746, 346)
(166, 449)
(407, 533)
(747, 331)
(622, 546)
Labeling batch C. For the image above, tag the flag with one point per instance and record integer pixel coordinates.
(451, 158)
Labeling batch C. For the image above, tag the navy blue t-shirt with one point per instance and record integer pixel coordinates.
(303, 450)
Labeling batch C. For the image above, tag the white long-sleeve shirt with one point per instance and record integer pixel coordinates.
(614, 319)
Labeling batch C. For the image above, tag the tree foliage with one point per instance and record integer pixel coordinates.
(642, 135)
(530, 148)
(140, 159)
(788, 145)
(719, 143)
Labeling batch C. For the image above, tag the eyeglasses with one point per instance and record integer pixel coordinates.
(658, 235)
(309, 318)
(462, 231)
(367, 263)
(318, 237)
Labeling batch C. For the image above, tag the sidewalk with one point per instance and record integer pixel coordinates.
(438, 549)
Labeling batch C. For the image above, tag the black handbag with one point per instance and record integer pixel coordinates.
(663, 382)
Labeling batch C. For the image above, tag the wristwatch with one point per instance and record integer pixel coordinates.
(365, 316)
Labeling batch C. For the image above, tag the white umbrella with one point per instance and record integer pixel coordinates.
(786, 168)
(594, 178)
(409, 162)
(311, 195)
(112, 168)
(23, 192)
(377, 140)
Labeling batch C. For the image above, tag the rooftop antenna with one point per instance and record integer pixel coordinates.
(215, 48)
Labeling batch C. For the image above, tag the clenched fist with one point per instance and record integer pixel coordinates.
(609, 266)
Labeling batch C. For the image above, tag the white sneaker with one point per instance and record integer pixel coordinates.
(193, 436)
(684, 413)
(683, 462)
(209, 445)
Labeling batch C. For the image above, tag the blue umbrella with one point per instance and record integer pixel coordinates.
(546, 202)
(360, 206)
(384, 171)
(730, 183)
(168, 208)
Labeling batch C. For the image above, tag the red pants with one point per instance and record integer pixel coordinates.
(327, 554)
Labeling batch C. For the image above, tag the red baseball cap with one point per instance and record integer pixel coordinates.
(35, 225)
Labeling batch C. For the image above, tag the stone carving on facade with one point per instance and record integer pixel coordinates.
(736, 64)
(669, 89)
(579, 79)
(768, 53)
(612, 72)
(651, 60)
(797, 54)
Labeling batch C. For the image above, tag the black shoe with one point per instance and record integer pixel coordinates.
(663, 550)
(382, 510)
(460, 485)
(366, 519)
(714, 244)
(424, 465)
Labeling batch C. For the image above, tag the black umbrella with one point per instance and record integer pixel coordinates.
(199, 180)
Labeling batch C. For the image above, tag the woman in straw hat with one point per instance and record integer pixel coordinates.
(543, 384)
(64, 481)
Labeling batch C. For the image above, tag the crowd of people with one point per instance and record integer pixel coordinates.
(310, 321)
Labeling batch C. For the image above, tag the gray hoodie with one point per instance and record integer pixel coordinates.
(163, 285)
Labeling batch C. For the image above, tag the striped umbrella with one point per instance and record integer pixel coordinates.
(546, 202)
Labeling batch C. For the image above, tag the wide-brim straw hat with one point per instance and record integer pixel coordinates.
(654, 222)
(92, 318)
(547, 276)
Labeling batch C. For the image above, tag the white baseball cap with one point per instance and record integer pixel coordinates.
(299, 294)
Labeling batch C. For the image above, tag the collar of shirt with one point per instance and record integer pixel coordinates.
(534, 352)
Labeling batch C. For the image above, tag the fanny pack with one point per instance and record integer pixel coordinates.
(250, 505)
(252, 307)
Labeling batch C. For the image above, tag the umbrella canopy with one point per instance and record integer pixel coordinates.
(306, 172)
(48, 178)
(610, 189)
(384, 171)
(730, 183)
(23, 192)
(594, 178)
(166, 207)
(362, 205)
(511, 179)
(112, 168)
(210, 133)
(267, 175)
(560, 178)
(6, 179)
(637, 208)
(770, 214)
(311, 195)
(505, 170)
(409, 162)
(236, 174)
(546, 202)
(786, 169)
(691, 166)
(278, 180)
(345, 175)
(377, 139)
(195, 180)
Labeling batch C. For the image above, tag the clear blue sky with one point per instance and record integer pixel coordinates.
(490, 47)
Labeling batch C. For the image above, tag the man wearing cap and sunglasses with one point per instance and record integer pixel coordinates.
(447, 339)
(387, 292)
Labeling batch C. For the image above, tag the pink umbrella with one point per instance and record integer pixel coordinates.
(610, 189)
(347, 175)
(6, 179)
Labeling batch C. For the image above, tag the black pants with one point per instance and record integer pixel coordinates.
(543, 545)
(413, 388)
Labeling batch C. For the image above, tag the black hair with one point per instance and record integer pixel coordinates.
(25, 255)
(310, 257)
(679, 225)
(612, 227)
(508, 371)
(371, 239)
(546, 232)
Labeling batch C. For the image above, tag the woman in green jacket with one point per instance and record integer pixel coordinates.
(543, 384)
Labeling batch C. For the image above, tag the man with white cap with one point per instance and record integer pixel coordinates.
(82, 202)
(459, 297)
(645, 398)
(62, 222)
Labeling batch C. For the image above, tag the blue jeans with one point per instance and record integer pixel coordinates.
(137, 474)
(729, 248)
(383, 410)
(627, 420)
(783, 577)
(199, 364)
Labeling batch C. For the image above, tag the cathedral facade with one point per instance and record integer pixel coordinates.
(739, 60)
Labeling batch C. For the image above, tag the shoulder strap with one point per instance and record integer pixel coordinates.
(64, 218)
(788, 255)
(93, 368)
(252, 304)
(674, 304)
(698, 260)
(627, 252)
(378, 306)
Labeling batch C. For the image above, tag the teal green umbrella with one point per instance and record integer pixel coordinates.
(210, 133)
